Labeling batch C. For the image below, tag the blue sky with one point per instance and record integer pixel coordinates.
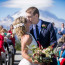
(9, 7)
(59, 8)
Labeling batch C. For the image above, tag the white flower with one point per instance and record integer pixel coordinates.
(21, 24)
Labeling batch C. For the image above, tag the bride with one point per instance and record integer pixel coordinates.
(21, 26)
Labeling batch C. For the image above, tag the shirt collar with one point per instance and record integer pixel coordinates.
(62, 28)
(39, 23)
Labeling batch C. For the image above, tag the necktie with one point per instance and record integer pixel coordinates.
(37, 32)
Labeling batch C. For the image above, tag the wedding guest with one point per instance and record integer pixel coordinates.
(62, 30)
(62, 54)
(12, 36)
(41, 30)
(54, 27)
(62, 51)
(61, 33)
(62, 62)
(6, 38)
(1, 27)
(1, 43)
(5, 32)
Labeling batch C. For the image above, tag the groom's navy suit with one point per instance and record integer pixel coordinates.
(47, 35)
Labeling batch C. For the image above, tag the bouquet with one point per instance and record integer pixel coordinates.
(41, 55)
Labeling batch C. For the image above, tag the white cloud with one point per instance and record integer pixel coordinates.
(27, 3)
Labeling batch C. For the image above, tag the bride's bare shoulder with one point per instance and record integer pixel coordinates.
(26, 39)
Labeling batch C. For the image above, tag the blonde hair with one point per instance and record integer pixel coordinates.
(20, 30)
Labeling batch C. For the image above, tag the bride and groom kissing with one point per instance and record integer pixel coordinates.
(41, 31)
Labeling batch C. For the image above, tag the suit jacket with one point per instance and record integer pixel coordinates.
(47, 35)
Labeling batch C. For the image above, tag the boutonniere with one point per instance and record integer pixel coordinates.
(44, 26)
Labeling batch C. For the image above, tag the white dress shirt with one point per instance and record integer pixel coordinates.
(62, 29)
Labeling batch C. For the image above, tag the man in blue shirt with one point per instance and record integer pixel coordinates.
(41, 30)
(62, 31)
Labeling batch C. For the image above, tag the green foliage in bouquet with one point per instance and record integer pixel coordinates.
(41, 55)
(36, 53)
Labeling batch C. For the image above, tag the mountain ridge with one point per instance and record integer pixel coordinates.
(44, 15)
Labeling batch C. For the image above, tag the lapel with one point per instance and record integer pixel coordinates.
(41, 29)
(43, 25)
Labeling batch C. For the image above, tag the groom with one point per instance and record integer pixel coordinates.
(41, 30)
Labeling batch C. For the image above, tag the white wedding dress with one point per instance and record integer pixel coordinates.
(25, 61)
